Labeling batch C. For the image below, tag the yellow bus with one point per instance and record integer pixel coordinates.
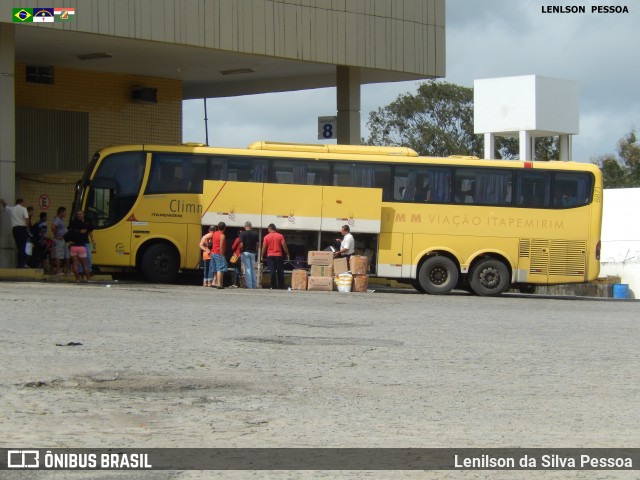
(439, 223)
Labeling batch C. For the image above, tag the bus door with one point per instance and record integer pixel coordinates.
(106, 211)
(391, 253)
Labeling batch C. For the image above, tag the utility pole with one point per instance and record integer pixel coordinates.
(206, 126)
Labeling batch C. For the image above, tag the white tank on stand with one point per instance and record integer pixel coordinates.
(526, 107)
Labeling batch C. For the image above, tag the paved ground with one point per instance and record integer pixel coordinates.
(182, 366)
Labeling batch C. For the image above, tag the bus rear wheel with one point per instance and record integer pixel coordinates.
(438, 275)
(160, 263)
(489, 277)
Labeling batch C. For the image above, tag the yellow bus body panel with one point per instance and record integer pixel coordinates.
(360, 208)
(171, 217)
(531, 240)
(233, 203)
(113, 246)
(292, 207)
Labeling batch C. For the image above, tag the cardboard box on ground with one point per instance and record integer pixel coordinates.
(360, 284)
(324, 284)
(358, 264)
(321, 271)
(320, 258)
(299, 279)
(340, 265)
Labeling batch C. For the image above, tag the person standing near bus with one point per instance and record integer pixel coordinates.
(59, 229)
(205, 246)
(273, 246)
(35, 229)
(20, 223)
(347, 245)
(78, 236)
(249, 245)
(236, 265)
(218, 249)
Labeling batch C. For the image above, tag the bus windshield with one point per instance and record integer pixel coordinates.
(114, 188)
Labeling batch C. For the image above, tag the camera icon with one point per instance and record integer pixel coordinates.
(23, 459)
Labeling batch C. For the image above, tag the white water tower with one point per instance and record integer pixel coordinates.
(526, 107)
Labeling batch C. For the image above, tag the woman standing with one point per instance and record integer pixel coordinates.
(77, 237)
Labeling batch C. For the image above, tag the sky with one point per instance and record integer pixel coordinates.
(484, 39)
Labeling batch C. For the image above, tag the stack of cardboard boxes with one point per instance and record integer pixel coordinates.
(359, 266)
(321, 277)
(324, 269)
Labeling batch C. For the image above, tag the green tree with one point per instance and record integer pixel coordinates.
(623, 170)
(438, 121)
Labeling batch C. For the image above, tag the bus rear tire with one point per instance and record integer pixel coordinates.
(489, 277)
(438, 275)
(160, 263)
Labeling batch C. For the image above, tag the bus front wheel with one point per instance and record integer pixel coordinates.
(438, 275)
(489, 277)
(160, 263)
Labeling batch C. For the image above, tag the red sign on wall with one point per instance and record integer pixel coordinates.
(44, 201)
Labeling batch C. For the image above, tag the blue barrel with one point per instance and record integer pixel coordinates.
(620, 290)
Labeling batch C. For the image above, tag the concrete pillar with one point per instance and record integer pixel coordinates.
(348, 100)
(565, 147)
(489, 146)
(525, 146)
(7, 113)
(7, 140)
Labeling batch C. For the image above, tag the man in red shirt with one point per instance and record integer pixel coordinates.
(273, 246)
(218, 249)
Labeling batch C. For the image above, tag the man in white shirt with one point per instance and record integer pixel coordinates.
(347, 244)
(20, 228)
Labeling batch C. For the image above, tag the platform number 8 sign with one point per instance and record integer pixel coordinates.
(327, 128)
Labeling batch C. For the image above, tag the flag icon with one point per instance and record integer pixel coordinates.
(23, 14)
(43, 15)
(64, 14)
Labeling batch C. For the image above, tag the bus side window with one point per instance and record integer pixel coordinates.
(464, 187)
(259, 171)
(422, 184)
(240, 169)
(218, 168)
(533, 189)
(169, 179)
(156, 180)
(170, 173)
(197, 174)
(571, 189)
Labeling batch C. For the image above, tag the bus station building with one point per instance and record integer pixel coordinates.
(117, 72)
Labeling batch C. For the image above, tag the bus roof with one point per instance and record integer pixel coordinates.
(331, 148)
